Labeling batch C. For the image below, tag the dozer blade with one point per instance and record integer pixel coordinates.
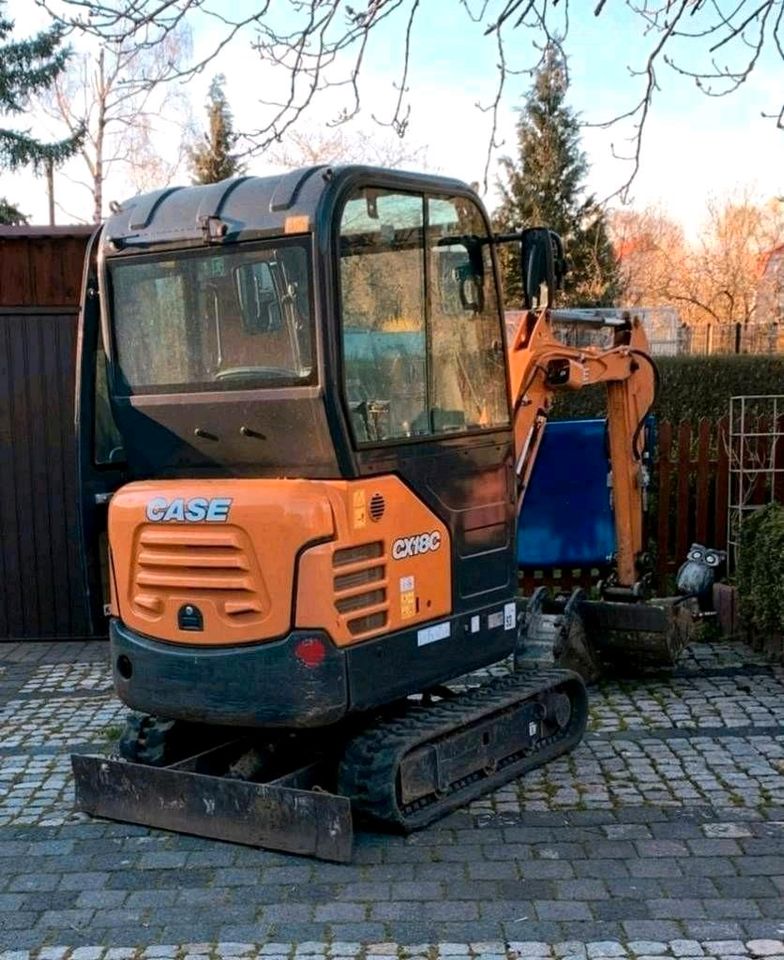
(628, 637)
(273, 815)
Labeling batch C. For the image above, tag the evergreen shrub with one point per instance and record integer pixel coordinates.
(690, 388)
(760, 573)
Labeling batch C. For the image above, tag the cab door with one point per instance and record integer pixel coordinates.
(424, 370)
(100, 456)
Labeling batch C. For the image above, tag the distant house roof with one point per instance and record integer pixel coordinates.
(765, 259)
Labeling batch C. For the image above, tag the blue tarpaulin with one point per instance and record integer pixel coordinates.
(566, 518)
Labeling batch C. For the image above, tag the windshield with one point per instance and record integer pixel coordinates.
(213, 319)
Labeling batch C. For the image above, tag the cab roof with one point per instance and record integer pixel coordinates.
(243, 207)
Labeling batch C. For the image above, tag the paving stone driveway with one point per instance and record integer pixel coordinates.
(661, 836)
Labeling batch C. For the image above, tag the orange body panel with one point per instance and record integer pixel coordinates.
(231, 548)
(385, 570)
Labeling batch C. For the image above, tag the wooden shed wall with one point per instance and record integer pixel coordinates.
(41, 595)
(41, 269)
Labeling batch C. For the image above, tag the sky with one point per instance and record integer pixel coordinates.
(695, 148)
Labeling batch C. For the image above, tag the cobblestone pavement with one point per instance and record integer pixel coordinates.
(661, 836)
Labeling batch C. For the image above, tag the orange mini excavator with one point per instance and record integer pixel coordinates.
(296, 399)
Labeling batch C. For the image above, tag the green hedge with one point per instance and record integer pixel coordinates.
(691, 387)
(760, 571)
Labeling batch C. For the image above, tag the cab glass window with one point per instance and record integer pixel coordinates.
(107, 440)
(423, 346)
(213, 319)
(468, 366)
(383, 315)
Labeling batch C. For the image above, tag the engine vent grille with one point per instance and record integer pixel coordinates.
(360, 587)
(358, 578)
(215, 565)
(364, 551)
(377, 506)
(360, 601)
(370, 623)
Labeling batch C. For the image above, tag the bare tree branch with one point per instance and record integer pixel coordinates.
(323, 45)
(114, 95)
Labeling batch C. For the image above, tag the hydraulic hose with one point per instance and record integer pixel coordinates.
(656, 384)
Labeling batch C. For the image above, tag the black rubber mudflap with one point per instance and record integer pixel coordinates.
(408, 771)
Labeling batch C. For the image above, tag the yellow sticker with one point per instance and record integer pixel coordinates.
(360, 510)
(407, 598)
(407, 605)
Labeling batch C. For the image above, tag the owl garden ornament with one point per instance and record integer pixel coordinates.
(700, 571)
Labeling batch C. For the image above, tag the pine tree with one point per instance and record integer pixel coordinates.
(545, 187)
(27, 68)
(11, 216)
(212, 159)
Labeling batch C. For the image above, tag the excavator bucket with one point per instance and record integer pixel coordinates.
(630, 637)
(290, 813)
(593, 637)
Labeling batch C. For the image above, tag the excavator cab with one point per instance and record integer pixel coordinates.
(314, 448)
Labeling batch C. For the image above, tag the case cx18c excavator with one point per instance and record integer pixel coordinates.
(295, 398)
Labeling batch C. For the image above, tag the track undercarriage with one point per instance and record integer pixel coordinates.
(402, 769)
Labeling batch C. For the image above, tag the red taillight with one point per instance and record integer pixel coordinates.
(310, 652)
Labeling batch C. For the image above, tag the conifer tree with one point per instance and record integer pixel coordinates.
(10, 215)
(211, 159)
(545, 186)
(28, 67)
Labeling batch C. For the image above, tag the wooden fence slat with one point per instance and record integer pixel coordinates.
(663, 501)
(778, 461)
(682, 507)
(722, 483)
(703, 481)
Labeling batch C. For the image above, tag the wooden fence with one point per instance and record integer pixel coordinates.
(690, 479)
(687, 502)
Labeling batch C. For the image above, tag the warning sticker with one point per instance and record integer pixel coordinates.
(360, 510)
(407, 605)
(407, 598)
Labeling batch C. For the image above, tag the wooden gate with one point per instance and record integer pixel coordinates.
(41, 588)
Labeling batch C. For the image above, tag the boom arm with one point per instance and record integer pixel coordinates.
(540, 366)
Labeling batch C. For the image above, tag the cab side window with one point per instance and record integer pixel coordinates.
(107, 439)
(423, 348)
(382, 285)
(468, 366)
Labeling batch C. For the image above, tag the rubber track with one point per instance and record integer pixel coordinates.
(369, 770)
